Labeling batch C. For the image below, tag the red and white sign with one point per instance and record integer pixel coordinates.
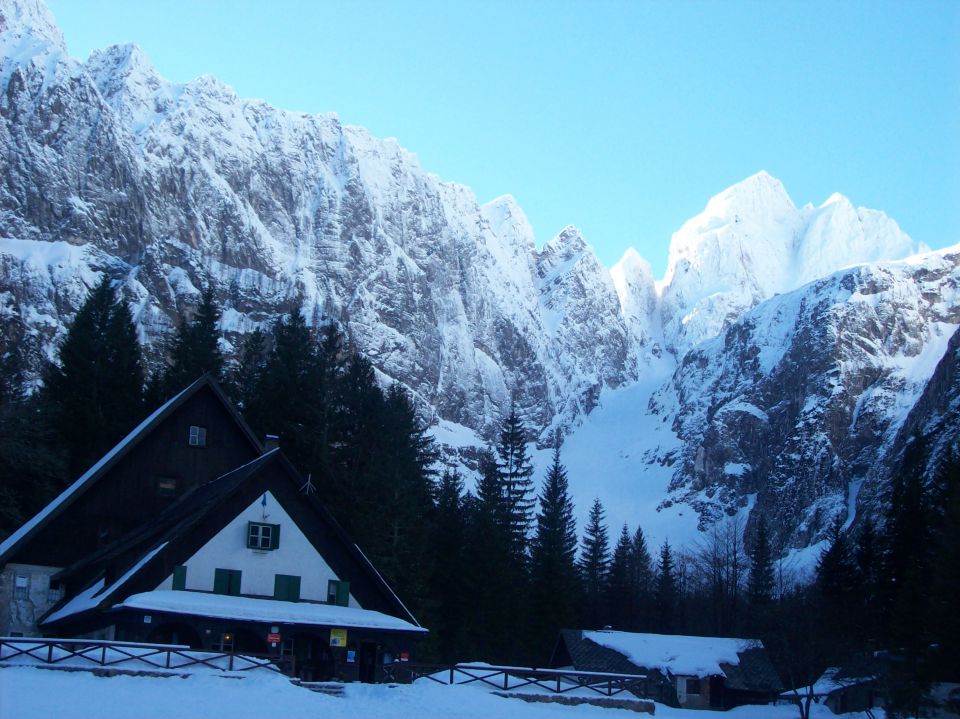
(273, 638)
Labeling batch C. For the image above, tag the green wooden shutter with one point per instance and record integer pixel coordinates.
(234, 582)
(293, 589)
(343, 594)
(180, 577)
(280, 586)
(275, 537)
(221, 581)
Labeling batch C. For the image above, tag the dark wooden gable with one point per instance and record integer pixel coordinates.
(153, 466)
(187, 525)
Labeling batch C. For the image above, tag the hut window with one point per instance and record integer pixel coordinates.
(180, 577)
(198, 436)
(693, 686)
(286, 588)
(226, 581)
(21, 586)
(54, 591)
(338, 593)
(263, 536)
(166, 486)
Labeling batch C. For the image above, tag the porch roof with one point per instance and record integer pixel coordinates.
(264, 610)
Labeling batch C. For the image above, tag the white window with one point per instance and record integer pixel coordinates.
(54, 592)
(263, 536)
(21, 586)
(198, 436)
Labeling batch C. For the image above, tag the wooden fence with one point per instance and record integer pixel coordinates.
(554, 681)
(127, 655)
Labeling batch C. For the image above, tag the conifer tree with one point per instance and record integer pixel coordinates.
(196, 347)
(836, 570)
(641, 580)
(448, 584)
(760, 581)
(553, 568)
(667, 597)
(516, 472)
(594, 564)
(946, 574)
(867, 558)
(621, 597)
(96, 391)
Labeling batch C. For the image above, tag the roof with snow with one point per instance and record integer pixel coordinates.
(90, 477)
(743, 662)
(264, 610)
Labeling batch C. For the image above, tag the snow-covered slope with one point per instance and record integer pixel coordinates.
(774, 361)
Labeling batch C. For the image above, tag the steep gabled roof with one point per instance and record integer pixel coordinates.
(143, 554)
(110, 459)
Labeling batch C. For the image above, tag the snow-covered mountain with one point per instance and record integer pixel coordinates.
(776, 359)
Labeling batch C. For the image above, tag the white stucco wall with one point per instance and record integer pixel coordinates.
(228, 550)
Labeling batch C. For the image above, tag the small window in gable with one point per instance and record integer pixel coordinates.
(198, 436)
(167, 487)
(263, 536)
(338, 593)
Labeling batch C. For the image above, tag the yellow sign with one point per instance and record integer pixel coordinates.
(338, 637)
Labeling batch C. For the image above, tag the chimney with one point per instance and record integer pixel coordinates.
(271, 441)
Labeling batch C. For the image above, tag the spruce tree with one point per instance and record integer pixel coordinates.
(96, 390)
(448, 582)
(516, 473)
(621, 597)
(946, 574)
(667, 599)
(552, 563)
(196, 347)
(760, 582)
(641, 580)
(867, 558)
(594, 564)
(836, 570)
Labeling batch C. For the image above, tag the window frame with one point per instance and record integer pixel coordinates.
(338, 593)
(21, 590)
(197, 436)
(263, 543)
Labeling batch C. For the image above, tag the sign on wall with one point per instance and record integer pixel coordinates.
(338, 637)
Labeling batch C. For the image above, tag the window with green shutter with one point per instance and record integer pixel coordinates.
(180, 577)
(263, 536)
(286, 587)
(338, 593)
(227, 581)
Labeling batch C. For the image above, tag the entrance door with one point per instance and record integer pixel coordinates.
(368, 662)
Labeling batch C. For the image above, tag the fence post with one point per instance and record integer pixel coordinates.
(49, 652)
(231, 661)
(451, 676)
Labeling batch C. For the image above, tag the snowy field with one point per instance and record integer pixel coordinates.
(35, 693)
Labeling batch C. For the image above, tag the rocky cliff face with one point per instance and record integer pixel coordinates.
(788, 380)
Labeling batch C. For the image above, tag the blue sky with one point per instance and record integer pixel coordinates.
(622, 118)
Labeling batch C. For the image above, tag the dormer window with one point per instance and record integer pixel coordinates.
(198, 436)
(263, 536)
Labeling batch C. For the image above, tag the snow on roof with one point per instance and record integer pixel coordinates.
(826, 684)
(675, 654)
(94, 594)
(263, 610)
(14, 539)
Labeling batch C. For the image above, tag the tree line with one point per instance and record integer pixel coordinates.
(497, 571)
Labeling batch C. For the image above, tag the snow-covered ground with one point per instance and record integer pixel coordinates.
(33, 693)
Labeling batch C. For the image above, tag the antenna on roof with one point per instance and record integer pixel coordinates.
(308, 487)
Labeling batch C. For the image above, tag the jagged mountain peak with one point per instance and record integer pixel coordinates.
(564, 246)
(30, 18)
(761, 193)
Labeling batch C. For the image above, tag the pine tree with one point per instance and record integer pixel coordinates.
(760, 582)
(196, 347)
(836, 571)
(96, 391)
(516, 472)
(867, 558)
(594, 564)
(621, 597)
(448, 584)
(667, 599)
(946, 574)
(553, 568)
(641, 580)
